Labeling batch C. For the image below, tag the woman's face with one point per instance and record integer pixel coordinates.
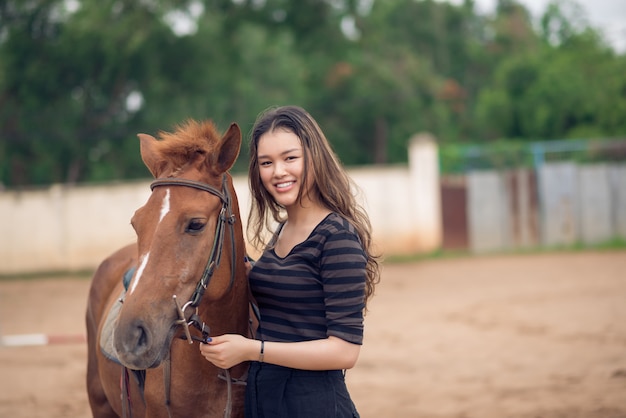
(281, 165)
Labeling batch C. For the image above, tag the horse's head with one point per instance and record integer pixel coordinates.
(178, 232)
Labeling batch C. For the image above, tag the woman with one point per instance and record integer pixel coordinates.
(313, 279)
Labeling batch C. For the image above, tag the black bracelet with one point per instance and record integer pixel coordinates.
(262, 351)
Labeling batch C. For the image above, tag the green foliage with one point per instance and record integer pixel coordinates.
(79, 79)
(498, 155)
(515, 153)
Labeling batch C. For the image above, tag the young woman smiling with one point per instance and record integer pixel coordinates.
(313, 280)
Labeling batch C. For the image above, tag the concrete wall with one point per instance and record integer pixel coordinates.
(66, 228)
(74, 228)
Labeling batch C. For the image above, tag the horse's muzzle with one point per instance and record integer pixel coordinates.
(136, 345)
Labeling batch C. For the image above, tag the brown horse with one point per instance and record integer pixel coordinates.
(142, 361)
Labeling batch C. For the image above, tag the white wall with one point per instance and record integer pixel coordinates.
(73, 228)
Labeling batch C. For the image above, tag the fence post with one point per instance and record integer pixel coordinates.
(425, 193)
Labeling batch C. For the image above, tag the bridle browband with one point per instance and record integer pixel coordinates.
(226, 216)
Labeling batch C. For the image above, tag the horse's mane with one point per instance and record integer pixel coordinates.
(188, 140)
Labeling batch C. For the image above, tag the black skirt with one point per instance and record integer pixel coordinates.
(281, 392)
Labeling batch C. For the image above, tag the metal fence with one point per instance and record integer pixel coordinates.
(549, 193)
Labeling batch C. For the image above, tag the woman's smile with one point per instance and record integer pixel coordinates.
(285, 186)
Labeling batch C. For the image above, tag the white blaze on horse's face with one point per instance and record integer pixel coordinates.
(144, 261)
(165, 207)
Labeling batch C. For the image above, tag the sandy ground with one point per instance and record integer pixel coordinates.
(532, 336)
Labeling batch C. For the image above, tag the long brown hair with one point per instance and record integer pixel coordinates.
(331, 185)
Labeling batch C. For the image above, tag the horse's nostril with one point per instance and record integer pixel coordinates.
(137, 340)
(142, 341)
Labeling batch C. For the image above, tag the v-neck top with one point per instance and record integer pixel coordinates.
(317, 290)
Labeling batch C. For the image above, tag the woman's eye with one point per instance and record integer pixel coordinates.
(195, 225)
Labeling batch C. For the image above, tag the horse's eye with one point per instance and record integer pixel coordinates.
(195, 225)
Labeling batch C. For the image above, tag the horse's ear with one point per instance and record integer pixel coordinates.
(150, 156)
(229, 149)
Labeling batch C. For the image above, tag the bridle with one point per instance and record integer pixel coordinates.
(225, 217)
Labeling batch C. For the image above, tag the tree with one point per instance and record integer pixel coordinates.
(67, 76)
(77, 84)
(568, 86)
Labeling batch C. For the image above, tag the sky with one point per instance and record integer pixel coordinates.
(609, 16)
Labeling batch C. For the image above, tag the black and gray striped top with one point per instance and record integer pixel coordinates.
(317, 290)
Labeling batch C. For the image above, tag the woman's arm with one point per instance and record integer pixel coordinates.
(331, 353)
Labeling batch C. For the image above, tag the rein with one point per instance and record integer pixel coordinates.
(225, 217)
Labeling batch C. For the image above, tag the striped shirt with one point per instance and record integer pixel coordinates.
(317, 290)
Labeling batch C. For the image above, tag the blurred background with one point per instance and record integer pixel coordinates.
(79, 79)
(482, 126)
(477, 125)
